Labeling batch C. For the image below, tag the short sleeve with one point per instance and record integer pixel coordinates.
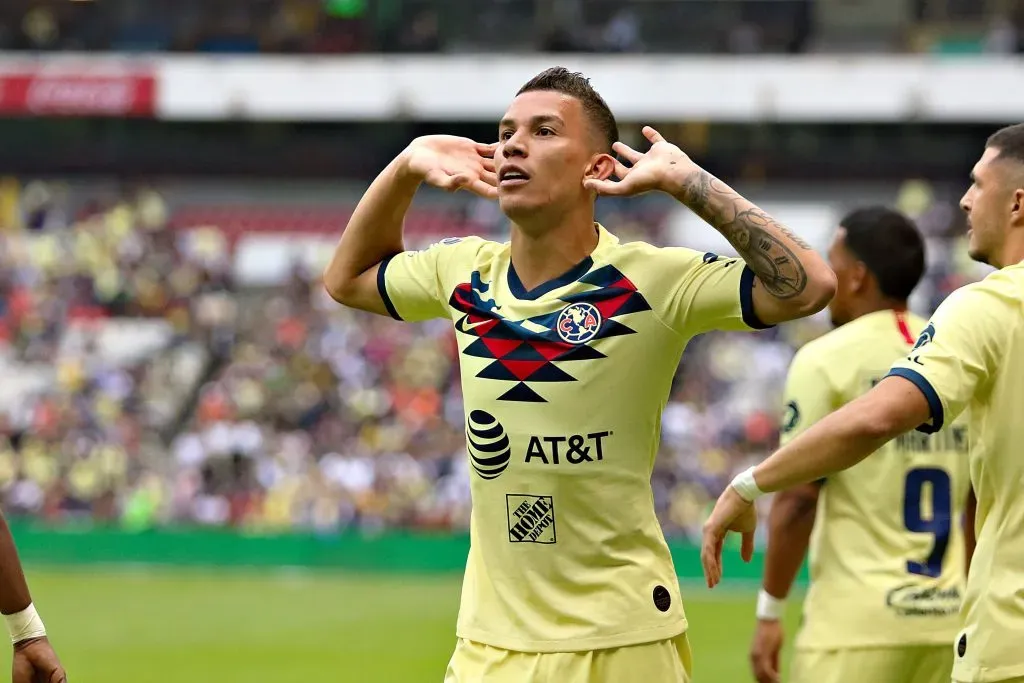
(704, 292)
(809, 395)
(958, 351)
(413, 284)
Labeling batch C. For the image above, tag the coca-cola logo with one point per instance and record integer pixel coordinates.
(80, 95)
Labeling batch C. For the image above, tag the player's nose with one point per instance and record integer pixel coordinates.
(515, 146)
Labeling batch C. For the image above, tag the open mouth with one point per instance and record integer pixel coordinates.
(511, 176)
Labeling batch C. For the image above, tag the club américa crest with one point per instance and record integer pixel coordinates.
(578, 323)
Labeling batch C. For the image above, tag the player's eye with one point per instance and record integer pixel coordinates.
(545, 131)
(505, 135)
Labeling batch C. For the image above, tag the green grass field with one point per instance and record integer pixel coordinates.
(192, 626)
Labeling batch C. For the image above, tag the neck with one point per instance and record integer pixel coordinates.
(543, 253)
(877, 304)
(1013, 251)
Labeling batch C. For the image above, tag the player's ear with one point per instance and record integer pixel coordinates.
(601, 167)
(1017, 205)
(859, 275)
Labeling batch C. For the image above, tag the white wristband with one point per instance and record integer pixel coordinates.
(746, 486)
(769, 608)
(25, 624)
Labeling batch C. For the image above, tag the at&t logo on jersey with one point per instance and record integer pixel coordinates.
(487, 444)
(574, 449)
(579, 323)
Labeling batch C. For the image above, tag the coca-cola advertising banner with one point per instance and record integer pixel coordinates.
(78, 94)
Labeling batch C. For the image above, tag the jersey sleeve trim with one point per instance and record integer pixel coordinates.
(382, 287)
(750, 318)
(934, 403)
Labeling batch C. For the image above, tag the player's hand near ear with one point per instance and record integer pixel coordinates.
(453, 163)
(648, 171)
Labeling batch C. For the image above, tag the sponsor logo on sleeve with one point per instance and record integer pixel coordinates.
(926, 337)
(792, 417)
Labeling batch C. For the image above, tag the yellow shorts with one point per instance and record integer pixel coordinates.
(665, 661)
(924, 664)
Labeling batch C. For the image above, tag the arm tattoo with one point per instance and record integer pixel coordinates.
(759, 238)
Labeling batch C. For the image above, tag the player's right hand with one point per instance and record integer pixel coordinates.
(36, 662)
(453, 163)
(764, 651)
(731, 513)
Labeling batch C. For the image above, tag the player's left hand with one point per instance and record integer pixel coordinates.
(36, 662)
(731, 513)
(653, 170)
(764, 651)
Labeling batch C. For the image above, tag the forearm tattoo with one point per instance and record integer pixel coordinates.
(757, 237)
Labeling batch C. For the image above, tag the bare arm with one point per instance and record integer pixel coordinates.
(373, 233)
(970, 539)
(34, 658)
(790, 524)
(793, 281)
(14, 594)
(846, 436)
(835, 443)
(375, 230)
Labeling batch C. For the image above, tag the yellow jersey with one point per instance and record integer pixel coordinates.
(887, 554)
(971, 355)
(564, 385)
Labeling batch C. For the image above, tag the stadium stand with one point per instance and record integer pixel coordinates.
(145, 384)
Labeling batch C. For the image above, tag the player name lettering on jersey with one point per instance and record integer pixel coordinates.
(952, 439)
(573, 449)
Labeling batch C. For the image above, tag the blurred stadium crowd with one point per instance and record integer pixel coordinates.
(145, 386)
(426, 26)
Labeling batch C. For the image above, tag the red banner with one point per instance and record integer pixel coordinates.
(69, 94)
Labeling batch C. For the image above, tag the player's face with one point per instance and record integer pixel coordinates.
(545, 149)
(991, 203)
(849, 277)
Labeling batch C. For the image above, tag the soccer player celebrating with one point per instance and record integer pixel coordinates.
(888, 553)
(34, 658)
(970, 355)
(569, 341)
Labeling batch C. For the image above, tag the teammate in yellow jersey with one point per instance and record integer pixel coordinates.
(970, 355)
(887, 552)
(569, 341)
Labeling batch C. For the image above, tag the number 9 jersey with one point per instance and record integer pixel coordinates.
(887, 552)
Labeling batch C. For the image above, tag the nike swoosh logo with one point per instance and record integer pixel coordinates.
(462, 326)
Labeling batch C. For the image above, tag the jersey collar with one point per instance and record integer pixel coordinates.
(517, 289)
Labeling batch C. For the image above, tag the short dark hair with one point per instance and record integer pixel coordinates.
(1009, 141)
(890, 246)
(574, 84)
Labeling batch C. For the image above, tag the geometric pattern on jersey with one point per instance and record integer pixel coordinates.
(525, 351)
